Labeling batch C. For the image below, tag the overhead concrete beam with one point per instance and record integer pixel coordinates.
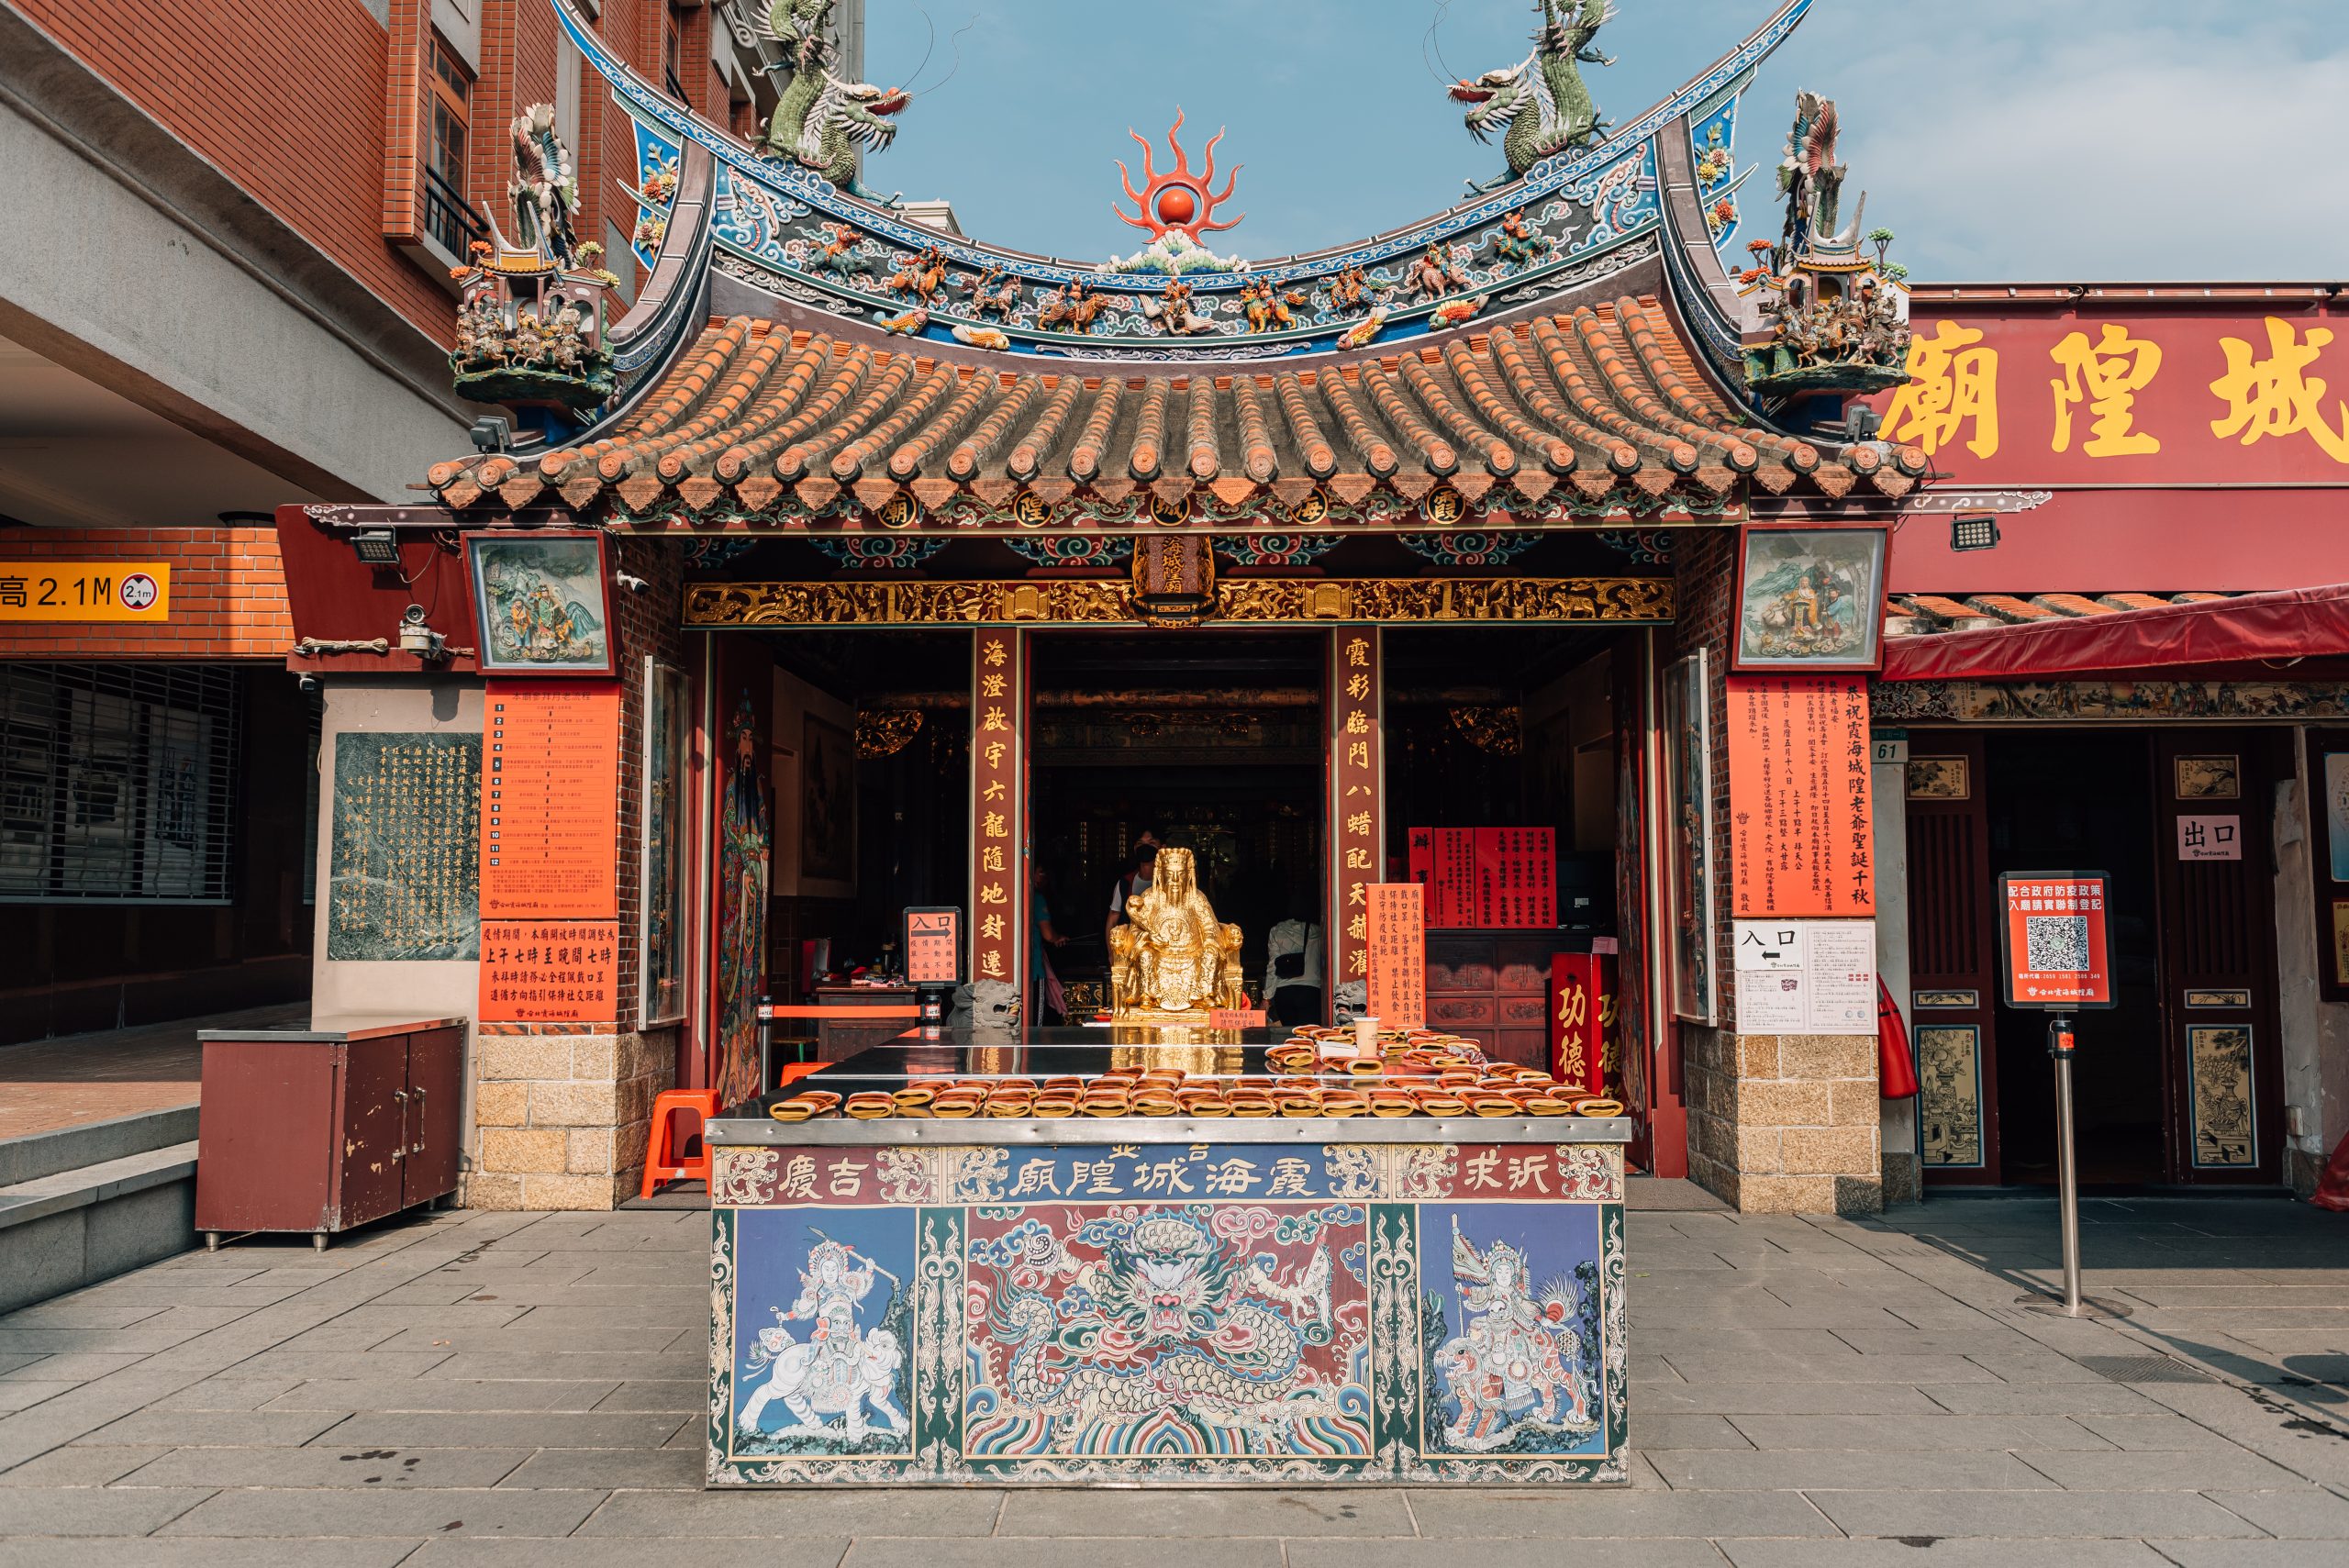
(159, 278)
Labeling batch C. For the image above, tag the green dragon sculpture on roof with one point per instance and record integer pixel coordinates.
(1542, 99)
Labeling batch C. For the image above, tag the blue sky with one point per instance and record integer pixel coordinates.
(2001, 140)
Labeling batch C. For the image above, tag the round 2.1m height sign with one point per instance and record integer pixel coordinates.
(2053, 952)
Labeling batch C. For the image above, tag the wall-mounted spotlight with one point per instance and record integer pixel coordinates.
(1975, 532)
(376, 547)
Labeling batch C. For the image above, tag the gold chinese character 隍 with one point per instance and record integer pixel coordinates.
(2107, 376)
(2276, 395)
(1952, 379)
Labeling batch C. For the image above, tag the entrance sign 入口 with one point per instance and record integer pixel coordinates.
(1805, 976)
(934, 946)
(2052, 940)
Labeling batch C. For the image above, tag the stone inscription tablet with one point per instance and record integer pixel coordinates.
(405, 882)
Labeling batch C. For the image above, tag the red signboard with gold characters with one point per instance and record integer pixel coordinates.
(1357, 840)
(1578, 1006)
(999, 831)
(2109, 392)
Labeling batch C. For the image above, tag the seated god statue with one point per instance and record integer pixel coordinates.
(1174, 959)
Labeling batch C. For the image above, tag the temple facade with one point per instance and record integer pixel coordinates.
(1608, 555)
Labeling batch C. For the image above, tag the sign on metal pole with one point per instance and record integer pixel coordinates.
(2054, 958)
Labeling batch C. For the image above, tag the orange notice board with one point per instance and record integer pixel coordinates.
(549, 971)
(2051, 931)
(1398, 955)
(550, 801)
(1801, 824)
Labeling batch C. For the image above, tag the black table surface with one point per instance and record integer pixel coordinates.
(1034, 1053)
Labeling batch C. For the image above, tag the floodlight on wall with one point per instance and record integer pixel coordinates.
(1979, 531)
(376, 547)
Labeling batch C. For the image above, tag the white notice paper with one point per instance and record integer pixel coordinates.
(1770, 1001)
(1842, 977)
(1806, 976)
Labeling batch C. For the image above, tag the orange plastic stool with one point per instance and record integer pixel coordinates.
(790, 1073)
(662, 1162)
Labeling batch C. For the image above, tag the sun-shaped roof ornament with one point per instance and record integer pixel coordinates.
(1177, 201)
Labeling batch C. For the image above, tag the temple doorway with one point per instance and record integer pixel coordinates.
(1211, 740)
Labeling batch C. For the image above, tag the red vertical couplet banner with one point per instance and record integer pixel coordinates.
(1578, 1033)
(549, 846)
(1000, 895)
(1398, 955)
(1357, 832)
(1801, 818)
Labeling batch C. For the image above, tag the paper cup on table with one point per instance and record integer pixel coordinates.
(1365, 1037)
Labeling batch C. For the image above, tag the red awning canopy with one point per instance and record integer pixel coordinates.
(2290, 624)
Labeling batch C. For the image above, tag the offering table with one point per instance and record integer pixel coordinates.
(1121, 1298)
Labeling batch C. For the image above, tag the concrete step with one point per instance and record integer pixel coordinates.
(122, 1202)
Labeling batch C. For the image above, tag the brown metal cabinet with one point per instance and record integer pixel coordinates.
(325, 1129)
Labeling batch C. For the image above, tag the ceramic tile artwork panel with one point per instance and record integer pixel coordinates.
(1194, 1314)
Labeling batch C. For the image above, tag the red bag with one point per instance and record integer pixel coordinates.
(2332, 1187)
(1895, 1074)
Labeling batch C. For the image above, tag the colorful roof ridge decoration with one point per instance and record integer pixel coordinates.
(1580, 196)
(1541, 420)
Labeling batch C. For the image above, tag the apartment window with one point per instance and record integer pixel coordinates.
(672, 52)
(448, 114)
(117, 783)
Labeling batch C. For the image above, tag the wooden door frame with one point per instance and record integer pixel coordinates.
(1979, 1013)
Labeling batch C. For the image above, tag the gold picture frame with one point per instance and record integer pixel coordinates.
(2213, 777)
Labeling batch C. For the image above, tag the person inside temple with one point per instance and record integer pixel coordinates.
(1293, 985)
(1139, 869)
(1044, 982)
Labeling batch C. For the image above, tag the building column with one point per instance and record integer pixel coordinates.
(1357, 812)
(1000, 901)
(1782, 1113)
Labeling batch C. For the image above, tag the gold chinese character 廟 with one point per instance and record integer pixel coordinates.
(1952, 379)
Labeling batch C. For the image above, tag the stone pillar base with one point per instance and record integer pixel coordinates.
(562, 1119)
(1785, 1124)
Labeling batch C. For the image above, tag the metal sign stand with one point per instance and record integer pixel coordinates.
(2060, 1046)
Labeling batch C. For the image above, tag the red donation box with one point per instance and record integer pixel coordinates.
(2052, 940)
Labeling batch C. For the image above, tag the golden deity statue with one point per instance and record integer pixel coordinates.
(1173, 960)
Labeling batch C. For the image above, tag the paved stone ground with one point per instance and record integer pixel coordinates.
(52, 1084)
(499, 1390)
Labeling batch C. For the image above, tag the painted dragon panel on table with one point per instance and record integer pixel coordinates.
(1201, 1314)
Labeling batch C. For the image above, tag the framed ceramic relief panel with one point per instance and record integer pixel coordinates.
(1810, 599)
(668, 725)
(540, 605)
(1688, 769)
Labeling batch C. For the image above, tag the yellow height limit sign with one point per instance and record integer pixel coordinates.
(84, 590)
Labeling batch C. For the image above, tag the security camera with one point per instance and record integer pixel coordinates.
(419, 638)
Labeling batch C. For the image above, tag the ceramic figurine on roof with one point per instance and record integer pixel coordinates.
(1175, 206)
(1818, 315)
(821, 120)
(1542, 99)
(530, 311)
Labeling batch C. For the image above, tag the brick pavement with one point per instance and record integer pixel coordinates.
(482, 1390)
(75, 1079)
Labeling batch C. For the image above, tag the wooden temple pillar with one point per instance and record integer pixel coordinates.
(1000, 900)
(1356, 828)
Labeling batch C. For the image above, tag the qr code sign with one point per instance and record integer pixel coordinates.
(2055, 943)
